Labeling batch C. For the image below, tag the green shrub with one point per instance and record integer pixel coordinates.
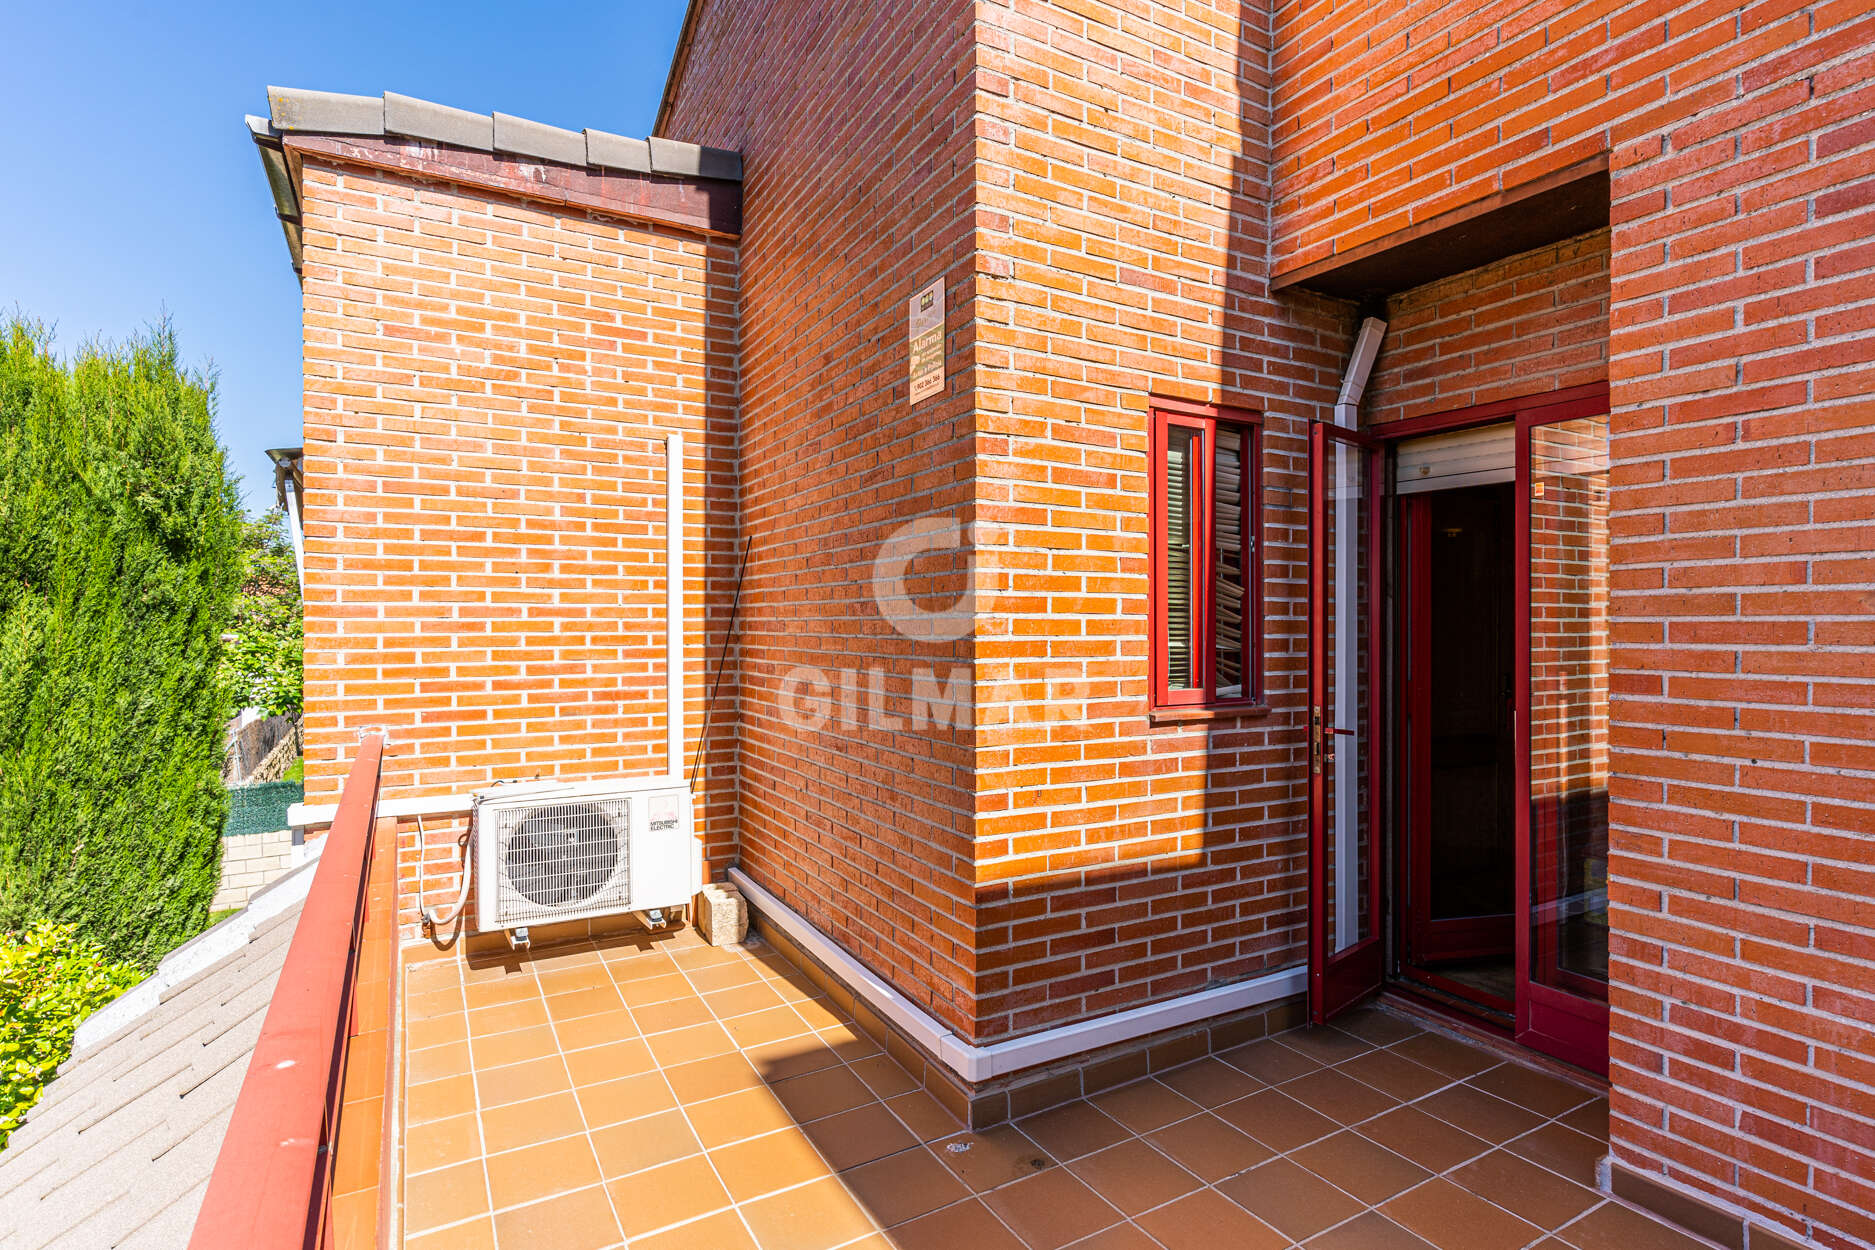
(120, 557)
(50, 980)
(265, 660)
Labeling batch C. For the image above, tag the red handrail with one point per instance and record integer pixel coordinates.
(272, 1181)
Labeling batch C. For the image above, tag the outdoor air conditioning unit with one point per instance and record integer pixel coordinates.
(546, 853)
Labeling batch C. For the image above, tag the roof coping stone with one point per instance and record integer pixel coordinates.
(329, 112)
(518, 136)
(609, 151)
(420, 119)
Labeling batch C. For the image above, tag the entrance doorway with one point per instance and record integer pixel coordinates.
(1458, 791)
(1458, 624)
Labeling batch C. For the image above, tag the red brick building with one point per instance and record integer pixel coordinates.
(1395, 515)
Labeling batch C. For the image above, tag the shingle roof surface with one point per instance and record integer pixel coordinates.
(118, 1151)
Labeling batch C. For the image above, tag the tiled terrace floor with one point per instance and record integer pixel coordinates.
(662, 1093)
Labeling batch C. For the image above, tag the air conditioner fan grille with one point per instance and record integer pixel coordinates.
(561, 857)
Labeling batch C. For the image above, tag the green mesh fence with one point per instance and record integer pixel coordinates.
(261, 808)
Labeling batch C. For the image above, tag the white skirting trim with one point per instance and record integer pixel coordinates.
(980, 1063)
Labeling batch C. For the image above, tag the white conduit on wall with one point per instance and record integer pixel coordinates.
(674, 602)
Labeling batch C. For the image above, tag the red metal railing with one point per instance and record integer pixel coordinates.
(272, 1183)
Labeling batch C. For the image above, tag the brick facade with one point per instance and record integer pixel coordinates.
(488, 385)
(999, 824)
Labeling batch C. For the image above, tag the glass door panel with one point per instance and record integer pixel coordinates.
(1563, 1003)
(1344, 597)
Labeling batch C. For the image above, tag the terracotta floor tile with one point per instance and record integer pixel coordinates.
(433, 1004)
(821, 1093)
(478, 1234)
(1269, 1061)
(1073, 1129)
(1546, 1095)
(965, 1225)
(993, 1157)
(1290, 1198)
(1210, 1082)
(1430, 1142)
(1371, 1231)
(655, 989)
(572, 1004)
(1562, 1150)
(678, 1013)
(1209, 1147)
(518, 1082)
(582, 1220)
(1276, 1120)
(722, 976)
(1612, 1226)
(1382, 1028)
(1454, 1218)
(903, 1186)
(735, 1116)
(1444, 1054)
(761, 1165)
(766, 1024)
(1339, 1097)
(517, 1124)
(486, 1021)
(884, 1076)
(516, 1177)
(1144, 1105)
(436, 1030)
(1051, 1209)
(501, 982)
(441, 1143)
(787, 1057)
(709, 1078)
(495, 1050)
(1207, 1220)
(699, 1041)
(1535, 1193)
(610, 1102)
(640, 966)
(668, 1194)
(1394, 1074)
(1134, 1177)
(652, 1141)
(436, 1062)
(815, 1216)
(1592, 1119)
(1323, 1043)
(740, 1000)
(596, 1064)
(722, 1231)
(599, 1030)
(820, 1013)
(1351, 1162)
(865, 1133)
(589, 976)
(445, 1196)
(1479, 1114)
(1119, 1237)
(436, 1100)
(434, 974)
(925, 1116)
(564, 955)
(849, 1042)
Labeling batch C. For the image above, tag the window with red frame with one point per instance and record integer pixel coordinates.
(1207, 592)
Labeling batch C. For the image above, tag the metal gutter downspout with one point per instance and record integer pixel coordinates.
(1360, 365)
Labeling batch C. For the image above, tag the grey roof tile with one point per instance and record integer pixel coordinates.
(118, 1152)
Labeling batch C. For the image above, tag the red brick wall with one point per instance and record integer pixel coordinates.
(1124, 238)
(1528, 324)
(488, 384)
(1741, 299)
(854, 121)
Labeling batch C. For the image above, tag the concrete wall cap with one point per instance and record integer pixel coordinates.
(609, 151)
(420, 119)
(688, 160)
(518, 136)
(327, 112)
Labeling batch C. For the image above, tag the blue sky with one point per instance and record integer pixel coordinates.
(129, 188)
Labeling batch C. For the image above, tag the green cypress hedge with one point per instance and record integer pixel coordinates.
(120, 557)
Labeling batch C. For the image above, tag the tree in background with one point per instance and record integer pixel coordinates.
(120, 559)
(268, 648)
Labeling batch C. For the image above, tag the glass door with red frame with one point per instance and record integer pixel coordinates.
(1344, 718)
(1563, 584)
